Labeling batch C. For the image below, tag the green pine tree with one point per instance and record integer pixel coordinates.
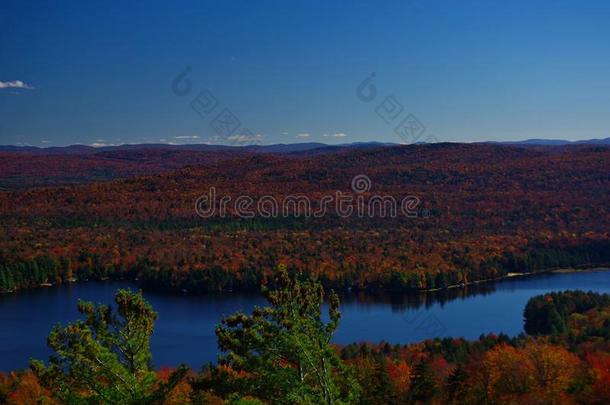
(106, 358)
(423, 386)
(285, 348)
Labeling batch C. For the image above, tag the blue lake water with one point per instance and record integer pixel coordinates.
(185, 329)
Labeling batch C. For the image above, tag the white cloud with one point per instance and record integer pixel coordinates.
(303, 135)
(208, 141)
(340, 135)
(100, 144)
(245, 138)
(15, 84)
(187, 137)
(211, 140)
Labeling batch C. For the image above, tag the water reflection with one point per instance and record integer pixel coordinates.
(400, 302)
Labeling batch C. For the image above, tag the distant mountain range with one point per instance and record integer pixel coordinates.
(556, 142)
(275, 148)
(281, 148)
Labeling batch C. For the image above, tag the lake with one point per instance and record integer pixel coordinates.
(185, 329)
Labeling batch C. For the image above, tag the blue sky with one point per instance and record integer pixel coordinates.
(288, 71)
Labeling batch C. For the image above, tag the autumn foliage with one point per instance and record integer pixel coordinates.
(484, 211)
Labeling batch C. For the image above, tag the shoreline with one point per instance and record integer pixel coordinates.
(508, 276)
(601, 268)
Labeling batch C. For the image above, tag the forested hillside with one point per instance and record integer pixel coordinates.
(477, 212)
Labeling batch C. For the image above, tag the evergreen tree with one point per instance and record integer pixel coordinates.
(423, 385)
(455, 384)
(284, 348)
(106, 358)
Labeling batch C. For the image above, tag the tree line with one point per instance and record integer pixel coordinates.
(212, 276)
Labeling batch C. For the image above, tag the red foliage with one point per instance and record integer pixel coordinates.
(484, 209)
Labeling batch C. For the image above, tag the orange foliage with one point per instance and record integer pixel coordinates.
(23, 388)
(400, 374)
(599, 364)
